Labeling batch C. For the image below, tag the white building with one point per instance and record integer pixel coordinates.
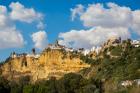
(96, 49)
(69, 49)
(136, 43)
(32, 55)
(137, 81)
(85, 52)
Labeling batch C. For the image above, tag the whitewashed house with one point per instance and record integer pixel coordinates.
(136, 43)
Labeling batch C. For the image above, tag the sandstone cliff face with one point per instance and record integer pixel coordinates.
(51, 63)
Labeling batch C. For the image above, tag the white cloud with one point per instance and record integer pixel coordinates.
(107, 21)
(111, 16)
(4, 18)
(40, 25)
(19, 12)
(78, 10)
(10, 37)
(40, 39)
(136, 21)
(92, 37)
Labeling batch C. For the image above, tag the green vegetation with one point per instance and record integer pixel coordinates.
(70, 83)
(104, 76)
(88, 59)
(116, 51)
(114, 70)
(4, 86)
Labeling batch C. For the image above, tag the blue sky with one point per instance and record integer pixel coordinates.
(57, 19)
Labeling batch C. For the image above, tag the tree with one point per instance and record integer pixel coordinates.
(28, 89)
(4, 87)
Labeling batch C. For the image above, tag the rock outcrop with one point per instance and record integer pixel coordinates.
(50, 63)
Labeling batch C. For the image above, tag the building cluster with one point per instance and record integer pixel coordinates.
(116, 41)
(135, 43)
(58, 46)
(67, 49)
(79, 50)
(111, 42)
(32, 55)
(128, 83)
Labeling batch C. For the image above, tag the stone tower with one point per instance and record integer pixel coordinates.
(33, 51)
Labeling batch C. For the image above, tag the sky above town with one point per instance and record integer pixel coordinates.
(27, 24)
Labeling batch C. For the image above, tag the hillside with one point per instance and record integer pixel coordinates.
(117, 67)
(124, 56)
(114, 69)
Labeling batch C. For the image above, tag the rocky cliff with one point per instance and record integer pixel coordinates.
(50, 63)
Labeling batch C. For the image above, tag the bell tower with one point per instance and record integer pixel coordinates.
(33, 51)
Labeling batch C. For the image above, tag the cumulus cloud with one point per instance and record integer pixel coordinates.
(9, 36)
(20, 13)
(97, 14)
(136, 21)
(40, 25)
(92, 37)
(40, 39)
(4, 18)
(109, 20)
(77, 11)
(112, 16)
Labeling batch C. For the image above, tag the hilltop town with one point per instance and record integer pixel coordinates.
(114, 41)
(114, 66)
(56, 60)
